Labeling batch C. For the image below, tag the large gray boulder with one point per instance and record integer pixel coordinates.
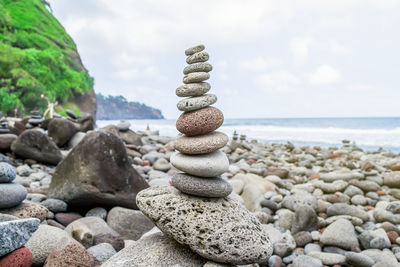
(61, 130)
(155, 250)
(219, 229)
(34, 144)
(129, 136)
(97, 172)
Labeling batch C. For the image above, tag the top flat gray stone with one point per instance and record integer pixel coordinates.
(195, 49)
(14, 234)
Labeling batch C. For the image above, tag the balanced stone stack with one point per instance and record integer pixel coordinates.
(36, 118)
(198, 153)
(4, 126)
(199, 210)
(11, 194)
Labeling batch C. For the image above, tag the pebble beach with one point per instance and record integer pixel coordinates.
(73, 195)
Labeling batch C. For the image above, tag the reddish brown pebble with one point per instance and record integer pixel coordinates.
(251, 161)
(355, 249)
(66, 218)
(381, 193)
(73, 255)
(200, 121)
(396, 167)
(369, 207)
(335, 156)
(278, 262)
(315, 176)
(392, 235)
(21, 257)
(145, 163)
(282, 173)
(55, 224)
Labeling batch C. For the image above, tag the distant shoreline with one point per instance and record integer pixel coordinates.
(368, 134)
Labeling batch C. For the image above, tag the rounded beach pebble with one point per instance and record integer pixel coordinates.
(200, 121)
(7, 172)
(193, 89)
(205, 165)
(197, 67)
(197, 186)
(195, 49)
(11, 195)
(201, 144)
(198, 102)
(198, 57)
(196, 77)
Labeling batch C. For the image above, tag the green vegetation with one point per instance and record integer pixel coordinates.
(36, 57)
(62, 110)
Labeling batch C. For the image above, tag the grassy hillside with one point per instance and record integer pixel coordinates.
(36, 56)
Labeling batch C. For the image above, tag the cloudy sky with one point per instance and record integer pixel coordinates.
(306, 58)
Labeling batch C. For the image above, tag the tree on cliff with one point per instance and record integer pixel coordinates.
(37, 57)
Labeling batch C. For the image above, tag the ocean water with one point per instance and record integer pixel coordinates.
(368, 133)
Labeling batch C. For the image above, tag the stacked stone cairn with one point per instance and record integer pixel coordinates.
(198, 153)
(36, 118)
(200, 210)
(4, 126)
(11, 194)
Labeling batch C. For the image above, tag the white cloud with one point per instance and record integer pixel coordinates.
(339, 49)
(325, 74)
(259, 64)
(134, 47)
(127, 74)
(280, 81)
(299, 48)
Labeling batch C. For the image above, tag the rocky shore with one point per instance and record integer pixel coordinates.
(74, 196)
(320, 206)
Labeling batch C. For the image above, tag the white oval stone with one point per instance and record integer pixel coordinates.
(198, 102)
(205, 165)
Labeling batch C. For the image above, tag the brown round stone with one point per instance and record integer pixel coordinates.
(201, 144)
(28, 210)
(200, 121)
(73, 255)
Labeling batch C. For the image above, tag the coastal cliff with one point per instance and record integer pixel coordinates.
(117, 107)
